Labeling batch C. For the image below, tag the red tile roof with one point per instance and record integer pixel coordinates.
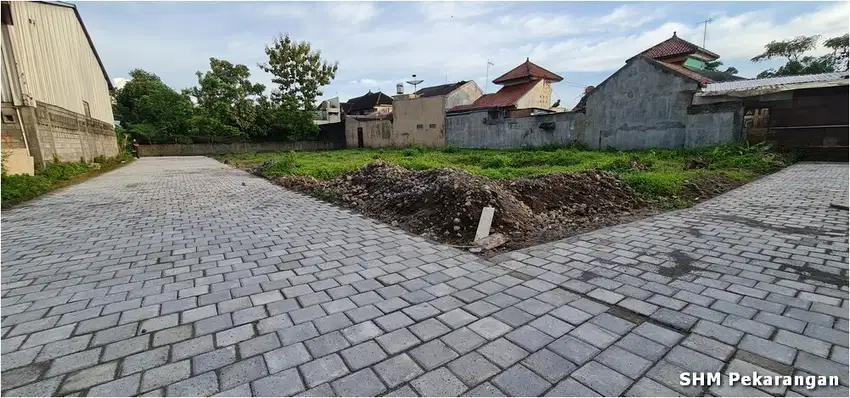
(506, 97)
(527, 69)
(674, 46)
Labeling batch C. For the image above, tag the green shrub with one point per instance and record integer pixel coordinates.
(496, 162)
(99, 159)
(18, 188)
(655, 184)
(451, 149)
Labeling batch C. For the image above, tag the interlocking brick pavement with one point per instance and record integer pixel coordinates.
(182, 276)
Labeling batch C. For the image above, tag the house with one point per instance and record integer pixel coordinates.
(368, 103)
(370, 131)
(809, 111)
(527, 87)
(419, 118)
(518, 114)
(328, 111)
(648, 102)
(56, 93)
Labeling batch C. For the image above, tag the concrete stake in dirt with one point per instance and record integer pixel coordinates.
(484, 223)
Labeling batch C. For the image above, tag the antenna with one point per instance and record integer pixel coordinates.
(705, 29)
(487, 77)
(414, 82)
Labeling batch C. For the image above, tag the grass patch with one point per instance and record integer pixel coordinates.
(16, 189)
(658, 174)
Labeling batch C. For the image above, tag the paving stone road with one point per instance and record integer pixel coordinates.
(182, 276)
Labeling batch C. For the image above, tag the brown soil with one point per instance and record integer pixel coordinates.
(444, 204)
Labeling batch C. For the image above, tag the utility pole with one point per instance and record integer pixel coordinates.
(487, 76)
(705, 30)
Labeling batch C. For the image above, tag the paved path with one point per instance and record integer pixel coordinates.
(181, 276)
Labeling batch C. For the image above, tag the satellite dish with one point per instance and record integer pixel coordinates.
(414, 82)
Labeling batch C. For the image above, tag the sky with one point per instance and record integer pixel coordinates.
(380, 44)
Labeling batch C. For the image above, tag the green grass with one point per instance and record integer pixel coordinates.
(15, 189)
(664, 170)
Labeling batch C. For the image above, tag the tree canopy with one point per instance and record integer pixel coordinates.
(797, 62)
(225, 104)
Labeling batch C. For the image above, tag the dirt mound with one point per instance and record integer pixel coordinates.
(441, 202)
(445, 203)
(585, 192)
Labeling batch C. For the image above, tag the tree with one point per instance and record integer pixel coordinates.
(150, 110)
(839, 46)
(715, 66)
(225, 99)
(797, 63)
(298, 71)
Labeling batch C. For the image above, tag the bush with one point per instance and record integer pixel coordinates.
(19, 188)
(496, 162)
(451, 149)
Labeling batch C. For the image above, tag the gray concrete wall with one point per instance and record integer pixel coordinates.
(644, 105)
(243, 147)
(477, 130)
(640, 106)
(714, 124)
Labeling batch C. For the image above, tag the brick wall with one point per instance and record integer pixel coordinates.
(71, 136)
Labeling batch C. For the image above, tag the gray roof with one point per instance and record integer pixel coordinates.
(777, 83)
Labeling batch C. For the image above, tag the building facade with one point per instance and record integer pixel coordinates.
(328, 111)
(420, 118)
(56, 100)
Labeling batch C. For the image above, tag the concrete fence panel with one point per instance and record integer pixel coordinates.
(239, 147)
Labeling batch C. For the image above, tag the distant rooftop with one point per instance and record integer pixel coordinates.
(527, 70)
(443, 89)
(676, 46)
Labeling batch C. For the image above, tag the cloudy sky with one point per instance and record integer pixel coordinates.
(380, 44)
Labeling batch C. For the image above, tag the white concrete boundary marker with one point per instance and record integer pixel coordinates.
(484, 223)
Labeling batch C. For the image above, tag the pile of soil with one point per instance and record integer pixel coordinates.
(444, 204)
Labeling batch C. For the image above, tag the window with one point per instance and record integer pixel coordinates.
(419, 127)
(432, 126)
(86, 109)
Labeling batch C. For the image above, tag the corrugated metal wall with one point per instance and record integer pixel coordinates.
(55, 61)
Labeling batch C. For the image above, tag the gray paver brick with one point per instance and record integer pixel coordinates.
(473, 368)
(88, 377)
(123, 387)
(165, 375)
(242, 372)
(213, 359)
(549, 365)
(571, 388)
(438, 383)
(361, 383)
(285, 383)
(503, 353)
(326, 344)
(144, 360)
(286, 357)
(363, 355)
(190, 348)
(323, 370)
(397, 370)
(623, 362)
(602, 379)
(432, 354)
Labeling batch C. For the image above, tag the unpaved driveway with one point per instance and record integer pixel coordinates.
(181, 276)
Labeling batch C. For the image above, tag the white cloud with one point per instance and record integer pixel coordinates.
(352, 12)
(376, 42)
(119, 82)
